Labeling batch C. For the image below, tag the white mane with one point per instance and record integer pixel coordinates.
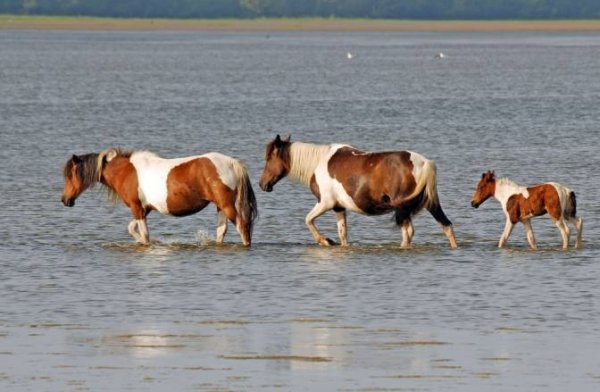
(304, 158)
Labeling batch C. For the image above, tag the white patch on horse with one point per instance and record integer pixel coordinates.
(152, 172)
(563, 195)
(224, 165)
(506, 188)
(331, 190)
(418, 162)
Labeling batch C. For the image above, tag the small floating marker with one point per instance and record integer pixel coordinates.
(440, 56)
(350, 56)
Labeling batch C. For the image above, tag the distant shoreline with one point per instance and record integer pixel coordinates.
(12, 22)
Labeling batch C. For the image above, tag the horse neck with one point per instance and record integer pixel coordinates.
(505, 188)
(304, 159)
(90, 174)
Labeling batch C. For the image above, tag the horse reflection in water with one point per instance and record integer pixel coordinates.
(371, 183)
(178, 187)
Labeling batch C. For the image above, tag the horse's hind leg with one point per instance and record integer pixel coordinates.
(437, 212)
(564, 232)
(230, 213)
(578, 223)
(340, 217)
(242, 229)
(221, 226)
(408, 231)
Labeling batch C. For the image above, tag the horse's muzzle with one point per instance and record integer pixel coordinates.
(68, 202)
(266, 187)
(474, 204)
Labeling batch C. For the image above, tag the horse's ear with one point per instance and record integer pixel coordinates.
(277, 139)
(287, 139)
(75, 159)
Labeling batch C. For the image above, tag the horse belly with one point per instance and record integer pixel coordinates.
(190, 207)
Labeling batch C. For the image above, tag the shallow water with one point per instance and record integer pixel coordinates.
(83, 308)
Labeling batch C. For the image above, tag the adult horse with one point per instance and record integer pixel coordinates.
(179, 187)
(371, 183)
(520, 204)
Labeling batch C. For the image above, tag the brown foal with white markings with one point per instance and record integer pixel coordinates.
(520, 204)
(178, 187)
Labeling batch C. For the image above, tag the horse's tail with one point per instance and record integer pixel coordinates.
(424, 195)
(425, 188)
(571, 210)
(245, 204)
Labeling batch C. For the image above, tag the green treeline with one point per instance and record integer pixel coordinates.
(393, 9)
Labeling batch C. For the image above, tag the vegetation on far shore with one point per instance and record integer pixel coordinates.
(19, 22)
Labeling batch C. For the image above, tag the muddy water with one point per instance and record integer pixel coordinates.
(82, 308)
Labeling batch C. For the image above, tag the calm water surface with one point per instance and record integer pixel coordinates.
(83, 308)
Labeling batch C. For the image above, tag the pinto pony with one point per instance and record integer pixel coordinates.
(178, 187)
(520, 204)
(371, 183)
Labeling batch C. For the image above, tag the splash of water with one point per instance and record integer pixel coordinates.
(203, 238)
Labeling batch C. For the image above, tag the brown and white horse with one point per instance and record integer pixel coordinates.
(178, 187)
(371, 183)
(520, 204)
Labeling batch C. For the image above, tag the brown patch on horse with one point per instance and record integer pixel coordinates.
(121, 177)
(542, 199)
(366, 177)
(192, 185)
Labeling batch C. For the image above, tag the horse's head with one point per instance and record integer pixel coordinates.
(277, 166)
(485, 189)
(74, 183)
(82, 172)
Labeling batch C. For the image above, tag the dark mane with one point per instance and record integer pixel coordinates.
(87, 169)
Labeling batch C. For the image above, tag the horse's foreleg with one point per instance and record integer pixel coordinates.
(507, 230)
(529, 233)
(578, 223)
(564, 232)
(316, 212)
(139, 231)
(221, 226)
(340, 217)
